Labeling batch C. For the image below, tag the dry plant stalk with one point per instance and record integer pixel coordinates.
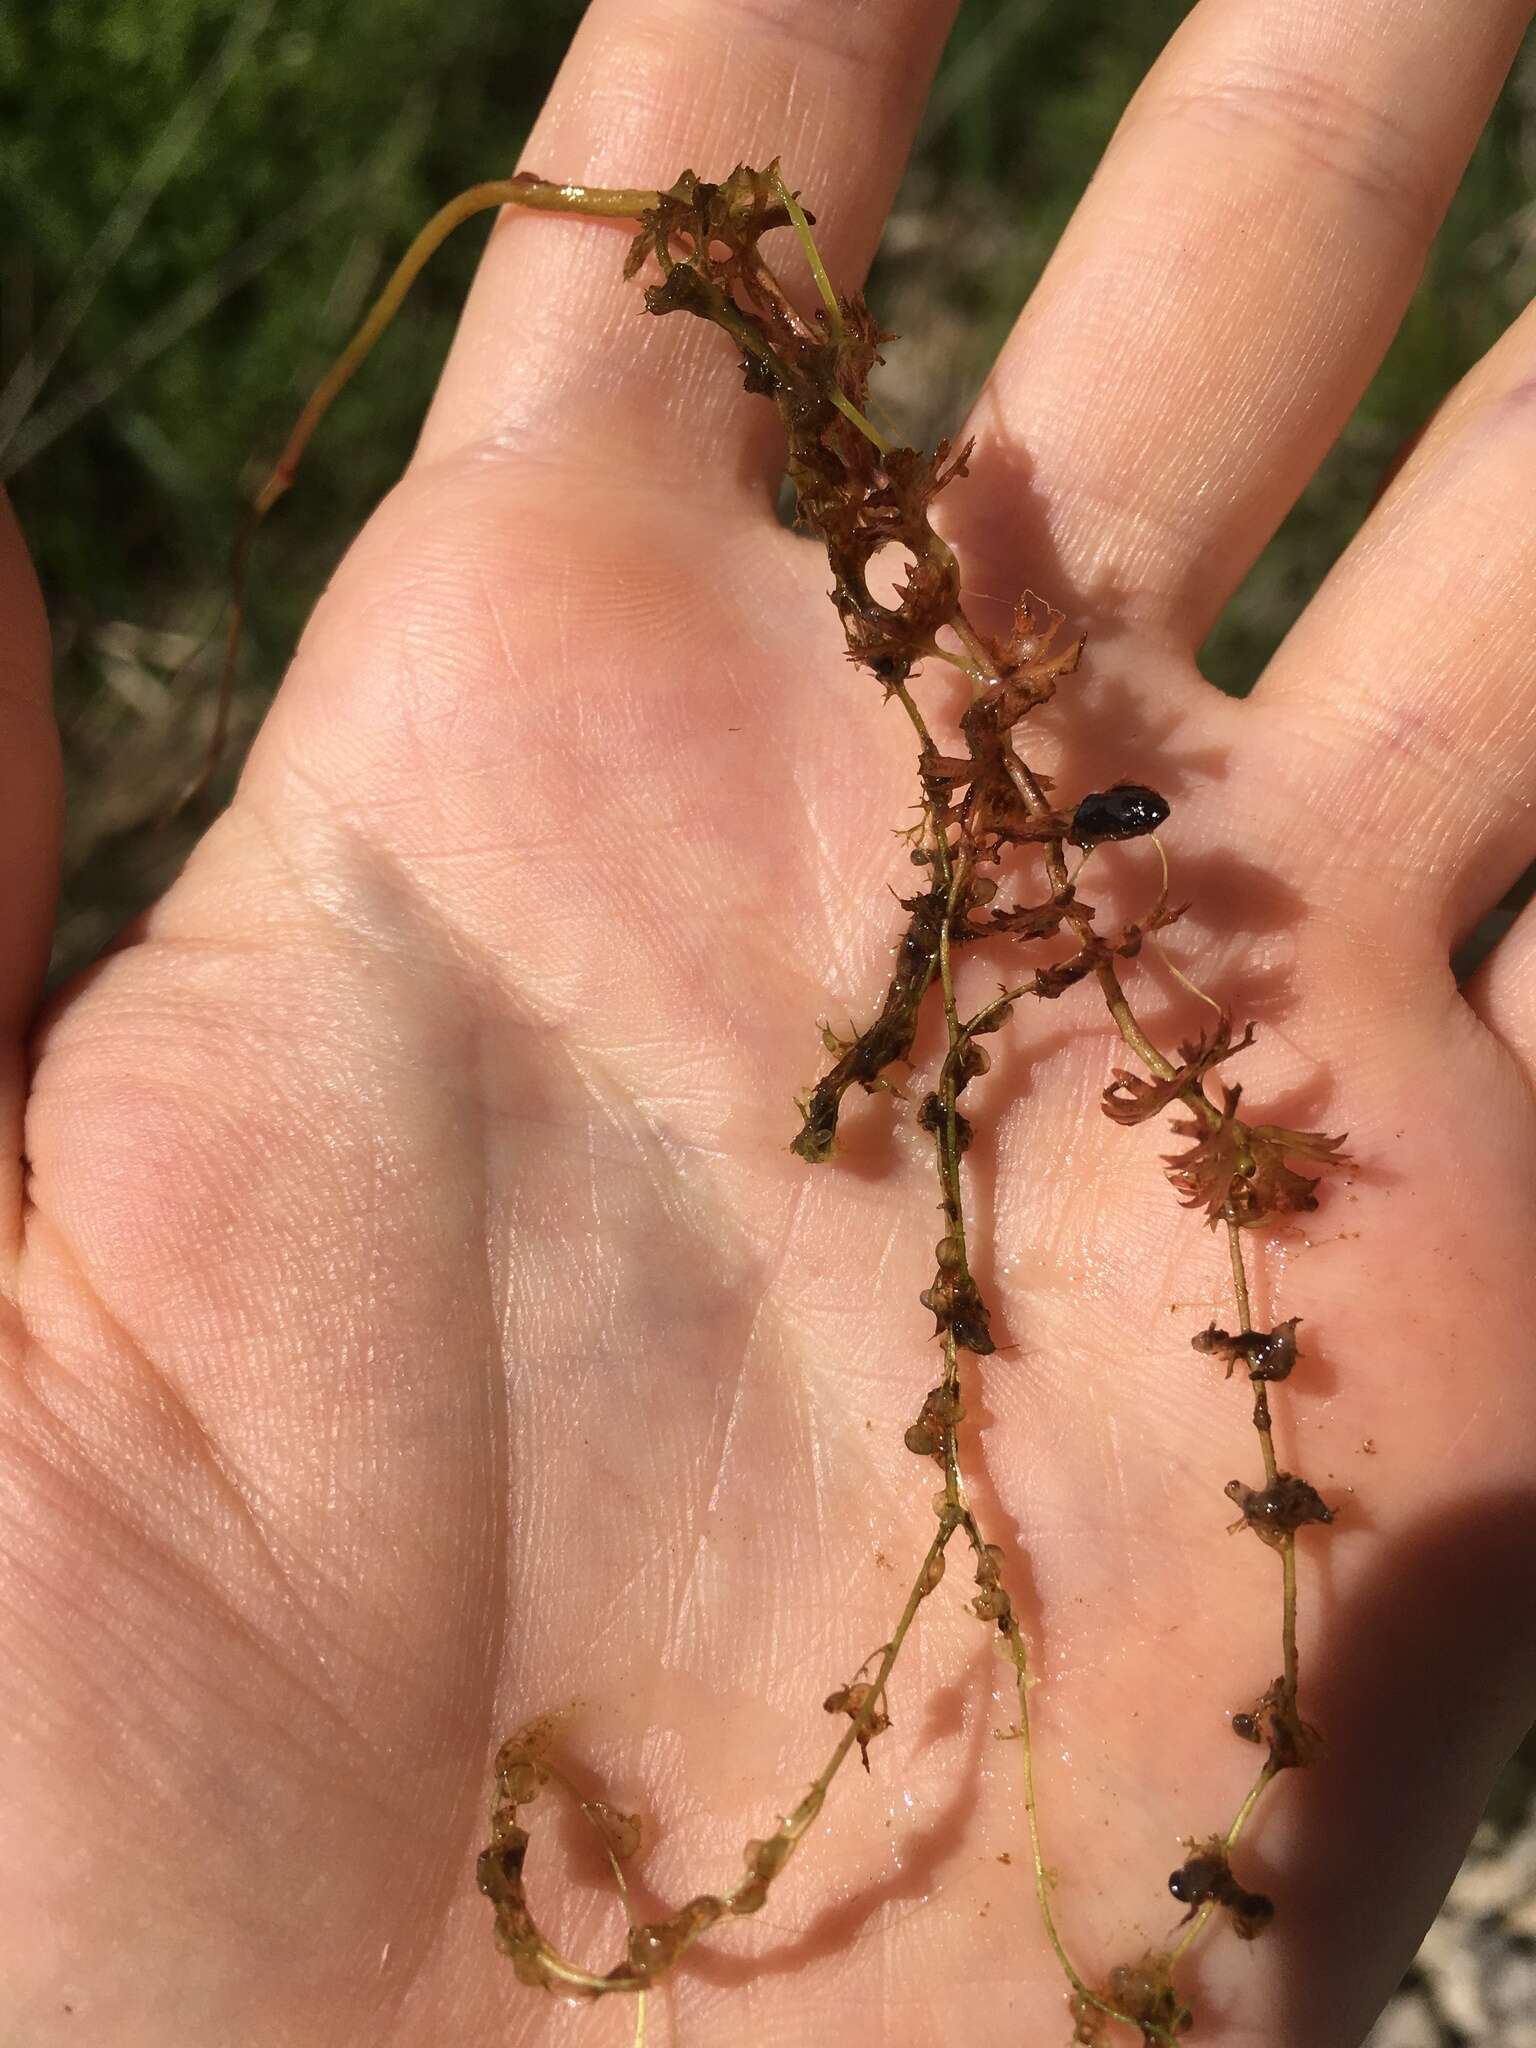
(986, 819)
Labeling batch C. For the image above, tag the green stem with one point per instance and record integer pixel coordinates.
(921, 1587)
(1239, 1277)
(1287, 1548)
(953, 875)
(1240, 1820)
(802, 226)
(1288, 1616)
(1020, 1658)
(850, 411)
(792, 1828)
(525, 190)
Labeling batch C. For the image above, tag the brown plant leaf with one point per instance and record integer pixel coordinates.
(1134, 1099)
(851, 1700)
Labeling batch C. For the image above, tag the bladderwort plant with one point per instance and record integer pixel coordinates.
(991, 850)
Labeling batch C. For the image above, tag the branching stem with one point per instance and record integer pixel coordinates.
(860, 492)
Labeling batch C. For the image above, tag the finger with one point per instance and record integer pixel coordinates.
(1406, 695)
(1503, 991)
(29, 837)
(1226, 289)
(555, 350)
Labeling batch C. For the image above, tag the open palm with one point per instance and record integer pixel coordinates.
(415, 1319)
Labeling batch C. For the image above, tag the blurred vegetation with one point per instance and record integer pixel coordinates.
(262, 163)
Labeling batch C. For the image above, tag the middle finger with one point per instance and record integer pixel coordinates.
(1225, 292)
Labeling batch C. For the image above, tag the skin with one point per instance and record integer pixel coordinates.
(414, 1320)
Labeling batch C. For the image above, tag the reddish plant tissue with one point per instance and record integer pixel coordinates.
(991, 851)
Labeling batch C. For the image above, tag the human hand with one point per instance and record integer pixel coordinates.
(418, 1321)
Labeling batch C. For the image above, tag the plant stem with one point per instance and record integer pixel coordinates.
(1287, 1550)
(953, 875)
(1240, 1820)
(524, 189)
(816, 371)
(802, 228)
